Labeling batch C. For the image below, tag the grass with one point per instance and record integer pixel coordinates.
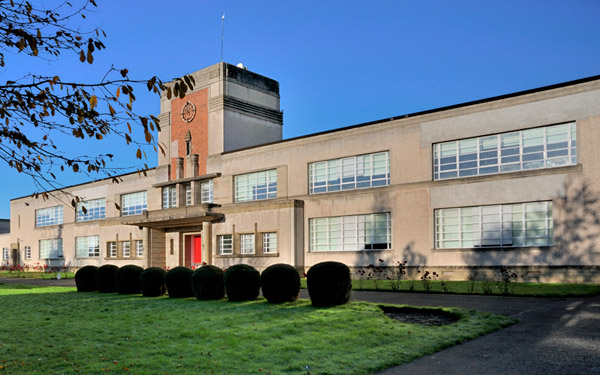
(464, 287)
(36, 275)
(55, 330)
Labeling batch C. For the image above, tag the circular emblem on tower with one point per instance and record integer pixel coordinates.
(188, 112)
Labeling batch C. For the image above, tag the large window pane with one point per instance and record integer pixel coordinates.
(256, 186)
(354, 172)
(134, 203)
(546, 147)
(91, 210)
(49, 216)
(87, 247)
(522, 224)
(351, 233)
(51, 249)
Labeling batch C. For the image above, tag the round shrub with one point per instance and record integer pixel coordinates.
(85, 279)
(128, 279)
(152, 281)
(280, 283)
(179, 282)
(329, 284)
(208, 283)
(105, 276)
(242, 283)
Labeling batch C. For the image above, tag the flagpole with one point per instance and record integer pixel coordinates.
(222, 27)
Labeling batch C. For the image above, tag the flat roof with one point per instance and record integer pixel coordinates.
(429, 111)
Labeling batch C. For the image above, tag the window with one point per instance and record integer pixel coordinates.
(355, 172)
(5, 253)
(134, 203)
(49, 216)
(206, 192)
(546, 147)
(247, 241)
(94, 210)
(188, 194)
(351, 233)
(87, 247)
(139, 248)
(169, 197)
(126, 248)
(112, 249)
(225, 244)
(51, 249)
(509, 225)
(27, 252)
(269, 243)
(256, 186)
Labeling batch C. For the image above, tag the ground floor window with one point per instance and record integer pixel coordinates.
(51, 248)
(87, 247)
(112, 249)
(4, 253)
(351, 233)
(126, 249)
(27, 252)
(225, 244)
(139, 248)
(269, 243)
(508, 225)
(247, 241)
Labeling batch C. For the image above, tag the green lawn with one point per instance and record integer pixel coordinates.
(36, 275)
(56, 330)
(464, 287)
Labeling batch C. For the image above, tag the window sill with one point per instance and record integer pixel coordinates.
(495, 248)
(123, 258)
(270, 255)
(349, 251)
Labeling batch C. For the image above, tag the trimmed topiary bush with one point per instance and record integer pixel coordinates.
(329, 284)
(85, 279)
(242, 283)
(105, 277)
(208, 283)
(152, 281)
(179, 282)
(280, 283)
(128, 279)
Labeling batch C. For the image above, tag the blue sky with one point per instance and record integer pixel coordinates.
(338, 63)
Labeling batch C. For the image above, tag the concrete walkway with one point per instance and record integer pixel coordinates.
(555, 335)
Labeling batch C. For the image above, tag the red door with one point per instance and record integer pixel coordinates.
(197, 250)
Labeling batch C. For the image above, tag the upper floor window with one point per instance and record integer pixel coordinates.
(51, 249)
(206, 192)
(354, 172)
(351, 233)
(169, 197)
(49, 216)
(134, 203)
(91, 210)
(188, 194)
(545, 147)
(508, 225)
(256, 186)
(87, 247)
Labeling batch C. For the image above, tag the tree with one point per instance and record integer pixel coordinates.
(35, 108)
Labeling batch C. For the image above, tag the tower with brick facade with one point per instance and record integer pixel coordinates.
(229, 108)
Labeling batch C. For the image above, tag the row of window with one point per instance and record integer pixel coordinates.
(510, 225)
(544, 147)
(169, 194)
(247, 243)
(86, 247)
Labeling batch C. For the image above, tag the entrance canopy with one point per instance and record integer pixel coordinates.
(185, 218)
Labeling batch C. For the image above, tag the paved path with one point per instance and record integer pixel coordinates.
(555, 335)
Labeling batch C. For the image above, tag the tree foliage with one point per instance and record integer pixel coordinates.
(34, 108)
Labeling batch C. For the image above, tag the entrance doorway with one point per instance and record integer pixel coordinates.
(193, 250)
